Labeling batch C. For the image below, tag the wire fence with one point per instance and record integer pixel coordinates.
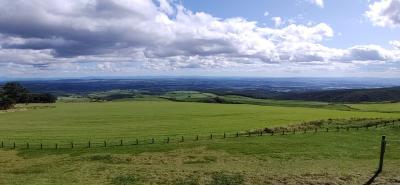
(132, 141)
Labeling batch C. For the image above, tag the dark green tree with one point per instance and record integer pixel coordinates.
(5, 103)
(16, 92)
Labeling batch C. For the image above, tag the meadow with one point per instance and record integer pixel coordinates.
(344, 157)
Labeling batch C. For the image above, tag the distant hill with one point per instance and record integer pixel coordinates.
(347, 95)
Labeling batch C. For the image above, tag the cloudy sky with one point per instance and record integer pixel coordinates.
(269, 38)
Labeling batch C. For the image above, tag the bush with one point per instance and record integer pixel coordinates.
(6, 103)
(41, 98)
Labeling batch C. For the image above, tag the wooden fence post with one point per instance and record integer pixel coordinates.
(197, 137)
(137, 141)
(2, 144)
(89, 144)
(382, 155)
(224, 135)
(56, 146)
(41, 146)
(183, 139)
(121, 143)
(211, 136)
(237, 134)
(167, 139)
(152, 141)
(105, 144)
(72, 144)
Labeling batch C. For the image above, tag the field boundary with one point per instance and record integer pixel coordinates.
(115, 142)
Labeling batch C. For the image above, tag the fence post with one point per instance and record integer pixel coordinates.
(41, 146)
(211, 136)
(168, 140)
(105, 144)
(197, 137)
(56, 146)
(137, 141)
(72, 144)
(27, 145)
(224, 135)
(327, 129)
(261, 133)
(383, 148)
(2, 144)
(183, 139)
(237, 134)
(89, 144)
(152, 141)
(121, 143)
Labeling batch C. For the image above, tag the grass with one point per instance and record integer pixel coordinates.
(344, 157)
(347, 157)
(146, 119)
(378, 107)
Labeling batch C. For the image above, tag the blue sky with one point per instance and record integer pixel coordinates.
(268, 38)
(346, 17)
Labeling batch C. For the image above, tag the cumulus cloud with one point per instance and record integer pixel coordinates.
(384, 13)
(395, 44)
(277, 21)
(117, 35)
(319, 3)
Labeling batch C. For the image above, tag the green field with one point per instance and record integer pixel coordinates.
(344, 157)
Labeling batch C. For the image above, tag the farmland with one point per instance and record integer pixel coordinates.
(344, 157)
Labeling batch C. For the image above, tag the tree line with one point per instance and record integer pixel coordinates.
(12, 93)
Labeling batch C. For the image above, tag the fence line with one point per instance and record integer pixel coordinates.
(93, 143)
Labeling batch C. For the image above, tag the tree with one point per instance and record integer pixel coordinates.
(16, 92)
(5, 103)
(42, 98)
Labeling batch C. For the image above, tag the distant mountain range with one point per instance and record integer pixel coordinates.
(313, 89)
(347, 95)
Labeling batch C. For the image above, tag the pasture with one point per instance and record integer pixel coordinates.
(345, 157)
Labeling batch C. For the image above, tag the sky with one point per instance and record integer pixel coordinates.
(257, 38)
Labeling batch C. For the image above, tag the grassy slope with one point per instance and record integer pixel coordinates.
(83, 121)
(378, 107)
(346, 157)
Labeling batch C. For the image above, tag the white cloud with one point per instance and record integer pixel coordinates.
(384, 13)
(266, 13)
(319, 3)
(121, 36)
(277, 21)
(395, 44)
